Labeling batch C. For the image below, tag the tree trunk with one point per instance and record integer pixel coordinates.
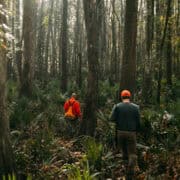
(51, 4)
(6, 154)
(79, 76)
(177, 55)
(128, 73)
(101, 13)
(91, 100)
(147, 78)
(40, 44)
(18, 55)
(169, 54)
(113, 76)
(76, 48)
(161, 52)
(64, 75)
(28, 36)
(79, 79)
(54, 33)
(10, 60)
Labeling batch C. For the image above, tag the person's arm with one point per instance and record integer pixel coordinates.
(77, 109)
(138, 125)
(66, 106)
(113, 114)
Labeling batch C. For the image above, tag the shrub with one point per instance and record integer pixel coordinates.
(94, 152)
(20, 113)
(80, 171)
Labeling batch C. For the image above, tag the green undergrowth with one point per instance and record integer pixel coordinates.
(41, 148)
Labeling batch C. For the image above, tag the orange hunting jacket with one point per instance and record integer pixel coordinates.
(75, 106)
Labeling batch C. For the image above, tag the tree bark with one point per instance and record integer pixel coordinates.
(40, 44)
(101, 14)
(128, 73)
(91, 100)
(147, 78)
(169, 54)
(161, 52)
(18, 35)
(54, 33)
(113, 76)
(64, 75)
(6, 154)
(76, 49)
(28, 36)
(51, 4)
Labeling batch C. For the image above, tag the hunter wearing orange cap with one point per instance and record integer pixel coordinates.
(127, 119)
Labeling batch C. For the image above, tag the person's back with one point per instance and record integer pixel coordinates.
(126, 117)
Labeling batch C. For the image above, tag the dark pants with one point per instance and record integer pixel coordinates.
(72, 127)
(126, 142)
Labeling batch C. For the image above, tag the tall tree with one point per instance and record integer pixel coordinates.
(169, 51)
(177, 49)
(160, 73)
(19, 42)
(10, 59)
(6, 155)
(64, 36)
(51, 4)
(54, 32)
(91, 100)
(28, 41)
(113, 76)
(40, 44)
(77, 51)
(147, 78)
(128, 73)
(101, 13)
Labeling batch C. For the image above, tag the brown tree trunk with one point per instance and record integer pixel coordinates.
(40, 44)
(113, 76)
(91, 100)
(176, 65)
(51, 4)
(64, 75)
(18, 55)
(10, 60)
(147, 78)
(128, 73)
(79, 76)
(161, 52)
(79, 79)
(6, 154)
(101, 13)
(76, 49)
(28, 36)
(54, 32)
(169, 54)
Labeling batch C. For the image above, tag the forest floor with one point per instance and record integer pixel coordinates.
(152, 166)
(43, 150)
(49, 157)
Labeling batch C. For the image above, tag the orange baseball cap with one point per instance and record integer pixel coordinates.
(125, 93)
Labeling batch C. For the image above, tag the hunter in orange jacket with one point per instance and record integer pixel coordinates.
(75, 106)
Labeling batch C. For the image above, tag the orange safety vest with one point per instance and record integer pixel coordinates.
(69, 113)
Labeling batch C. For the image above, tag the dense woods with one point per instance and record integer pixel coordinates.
(95, 48)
